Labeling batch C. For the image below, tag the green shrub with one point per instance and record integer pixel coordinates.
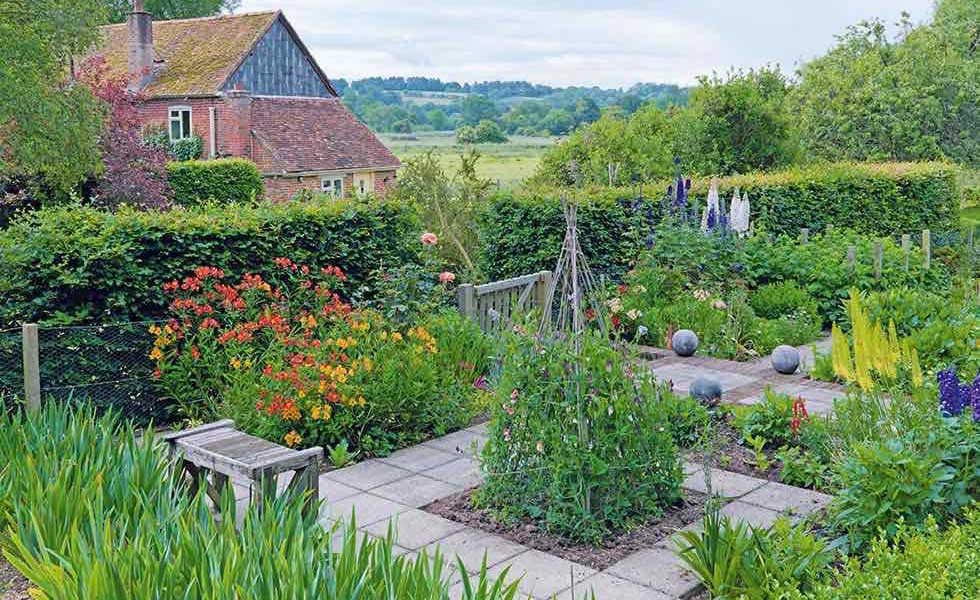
(72, 264)
(222, 180)
(782, 299)
(187, 148)
(84, 496)
(769, 419)
(582, 450)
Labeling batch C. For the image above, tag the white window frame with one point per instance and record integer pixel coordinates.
(332, 185)
(179, 120)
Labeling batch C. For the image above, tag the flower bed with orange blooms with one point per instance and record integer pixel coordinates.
(291, 361)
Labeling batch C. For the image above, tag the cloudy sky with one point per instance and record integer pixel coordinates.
(573, 42)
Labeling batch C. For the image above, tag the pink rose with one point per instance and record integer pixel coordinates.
(429, 239)
(446, 277)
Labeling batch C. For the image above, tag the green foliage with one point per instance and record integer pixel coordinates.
(188, 148)
(927, 564)
(70, 264)
(734, 560)
(769, 419)
(803, 469)
(340, 455)
(164, 10)
(577, 443)
(48, 129)
(224, 180)
(484, 132)
(686, 416)
(88, 497)
(912, 98)
(782, 299)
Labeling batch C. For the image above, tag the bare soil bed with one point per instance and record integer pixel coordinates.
(460, 508)
(13, 585)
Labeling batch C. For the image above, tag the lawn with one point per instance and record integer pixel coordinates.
(509, 163)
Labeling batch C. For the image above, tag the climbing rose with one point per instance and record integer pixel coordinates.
(446, 277)
(429, 239)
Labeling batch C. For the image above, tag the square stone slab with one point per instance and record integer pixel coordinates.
(684, 375)
(542, 575)
(415, 528)
(750, 514)
(416, 490)
(463, 442)
(331, 490)
(419, 458)
(609, 587)
(470, 545)
(818, 400)
(368, 474)
(367, 508)
(723, 483)
(463, 472)
(787, 499)
(657, 568)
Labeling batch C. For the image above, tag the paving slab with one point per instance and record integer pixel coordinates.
(419, 458)
(657, 568)
(367, 508)
(463, 472)
(818, 400)
(332, 490)
(787, 499)
(723, 483)
(471, 545)
(415, 528)
(683, 375)
(610, 587)
(368, 474)
(542, 575)
(463, 442)
(416, 490)
(751, 514)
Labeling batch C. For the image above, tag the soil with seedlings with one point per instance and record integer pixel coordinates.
(13, 585)
(461, 509)
(729, 453)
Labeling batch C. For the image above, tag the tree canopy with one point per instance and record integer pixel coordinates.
(118, 10)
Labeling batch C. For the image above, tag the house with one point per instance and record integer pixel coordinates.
(248, 87)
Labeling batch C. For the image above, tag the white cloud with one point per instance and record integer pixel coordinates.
(577, 42)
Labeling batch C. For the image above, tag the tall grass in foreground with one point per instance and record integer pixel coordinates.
(92, 511)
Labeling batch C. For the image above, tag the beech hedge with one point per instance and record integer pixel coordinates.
(73, 264)
(221, 180)
(522, 233)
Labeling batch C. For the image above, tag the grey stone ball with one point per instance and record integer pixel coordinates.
(785, 359)
(705, 390)
(684, 342)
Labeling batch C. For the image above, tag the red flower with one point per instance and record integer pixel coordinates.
(616, 322)
(195, 353)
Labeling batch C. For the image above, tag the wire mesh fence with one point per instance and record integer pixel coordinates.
(11, 367)
(106, 365)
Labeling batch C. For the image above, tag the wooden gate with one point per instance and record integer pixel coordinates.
(494, 304)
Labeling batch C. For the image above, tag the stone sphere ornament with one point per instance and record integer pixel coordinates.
(785, 359)
(706, 390)
(684, 342)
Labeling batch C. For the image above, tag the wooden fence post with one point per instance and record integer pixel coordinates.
(851, 257)
(543, 292)
(878, 259)
(32, 366)
(906, 248)
(926, 249)
(804, 236)
(466, 300)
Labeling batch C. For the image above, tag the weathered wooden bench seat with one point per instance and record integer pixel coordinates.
(221, 451)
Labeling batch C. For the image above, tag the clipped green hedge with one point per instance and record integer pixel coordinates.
(522, 233)
(222, 180)
(74, 264)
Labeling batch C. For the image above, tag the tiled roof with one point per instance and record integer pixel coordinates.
(314, 134)
(198, 54)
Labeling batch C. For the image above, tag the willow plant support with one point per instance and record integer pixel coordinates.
(572, 294)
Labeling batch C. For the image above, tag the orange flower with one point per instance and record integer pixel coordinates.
(292, 439)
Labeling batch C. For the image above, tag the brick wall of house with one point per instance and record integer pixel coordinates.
(383, 181)
(155, 114)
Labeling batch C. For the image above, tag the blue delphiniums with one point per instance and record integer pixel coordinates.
(955, 397)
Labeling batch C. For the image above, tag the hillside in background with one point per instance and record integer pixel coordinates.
(407, 104)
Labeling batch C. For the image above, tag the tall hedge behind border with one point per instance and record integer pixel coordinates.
(222, 180)
(522, 233)
(76, 264)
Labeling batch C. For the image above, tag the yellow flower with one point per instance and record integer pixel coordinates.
(396, 337)
(235, 362)
(155, 329)
(301, 393)
(368, 365)
(341, 343)
(292, 439)
(156, 354)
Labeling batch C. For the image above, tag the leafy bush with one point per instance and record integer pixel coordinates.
(68, 476)
(782, 299)
(770, 419)
(73, 264)
(187, 148)
(578, 443)
(223, 180)
(288, 360)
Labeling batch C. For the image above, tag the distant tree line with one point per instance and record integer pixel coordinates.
(406, 104)
(911, 96)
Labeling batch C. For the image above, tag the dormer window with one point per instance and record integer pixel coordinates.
(180, 122)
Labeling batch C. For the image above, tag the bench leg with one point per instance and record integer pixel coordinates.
(312, 472)
(265, 489)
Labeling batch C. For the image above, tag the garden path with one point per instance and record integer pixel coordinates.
(391, 491)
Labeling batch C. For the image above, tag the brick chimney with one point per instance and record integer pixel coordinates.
(238, 124)
(140, 46)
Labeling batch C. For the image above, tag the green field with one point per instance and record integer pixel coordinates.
(508, 163)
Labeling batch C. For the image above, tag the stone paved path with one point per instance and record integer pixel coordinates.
(389, 492)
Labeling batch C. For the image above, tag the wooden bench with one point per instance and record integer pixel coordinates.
(221, 451)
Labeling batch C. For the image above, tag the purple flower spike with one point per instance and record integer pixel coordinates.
(950, 394)
(975, 398)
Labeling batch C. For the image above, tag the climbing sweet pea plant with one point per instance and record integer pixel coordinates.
(288, 359)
